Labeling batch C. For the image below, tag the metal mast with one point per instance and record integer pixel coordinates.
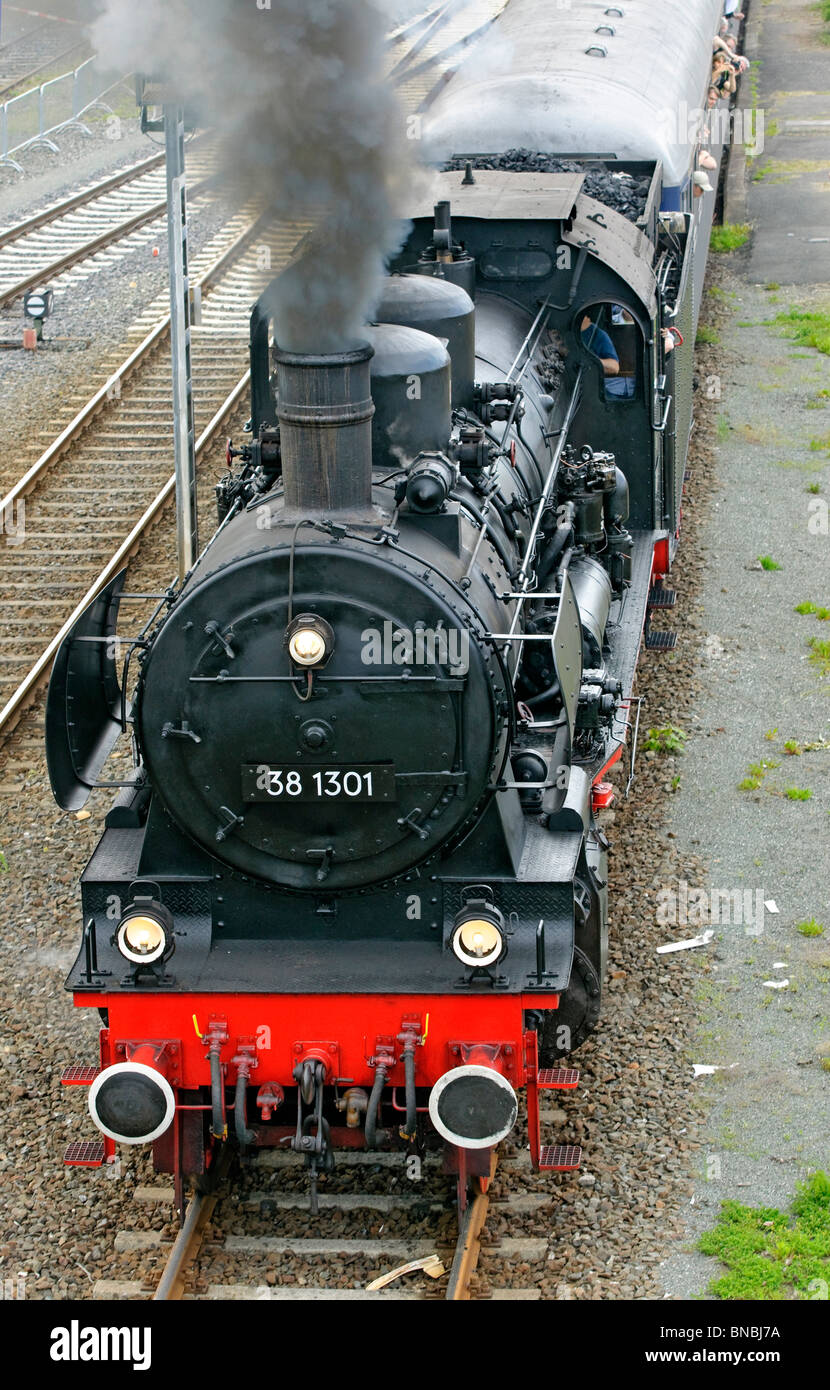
(187, 537)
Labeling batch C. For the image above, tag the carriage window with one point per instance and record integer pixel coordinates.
(609, 332)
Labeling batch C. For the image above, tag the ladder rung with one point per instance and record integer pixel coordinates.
(78, 1075)
(558, 1079)
(661, 641)
(560, 1158)
(85, 1153)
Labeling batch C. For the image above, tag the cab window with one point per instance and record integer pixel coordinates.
(609, 333)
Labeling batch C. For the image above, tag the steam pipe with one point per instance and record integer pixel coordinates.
(553, 550)
(218, 1128)
(524, 573)
(243, 1133)
(408, 1129)
(370, 1128)
(563, 564)
(544, 695)
(485, 526)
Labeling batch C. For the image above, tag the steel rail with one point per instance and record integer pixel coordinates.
(468, 1248)
(90, 248)
(435, 22)
(15, 706)
(41, 67)
(156, 336)
(200, 1208)
(97, 190)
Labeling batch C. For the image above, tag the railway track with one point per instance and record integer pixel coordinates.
(43, 42)
(360, 1236)
(115, 456)
(114, 453)
(425, 52)
(39, 250)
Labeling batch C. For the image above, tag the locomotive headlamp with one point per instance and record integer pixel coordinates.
(310, 640)
(306, 647)
(478, 940)
(144, 937)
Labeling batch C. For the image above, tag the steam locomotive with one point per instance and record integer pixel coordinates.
(355, 894)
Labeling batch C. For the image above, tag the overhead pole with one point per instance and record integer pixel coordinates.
(187, 528)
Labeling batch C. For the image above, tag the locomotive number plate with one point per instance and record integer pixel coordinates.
(296, 782)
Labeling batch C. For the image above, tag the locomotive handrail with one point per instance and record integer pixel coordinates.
(548, 487)
(660, 429)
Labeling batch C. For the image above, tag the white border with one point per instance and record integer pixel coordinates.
(441, 1085)
(142, 1069)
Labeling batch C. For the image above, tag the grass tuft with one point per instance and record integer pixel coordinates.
(756, 773)
(665, 740)
(808, 327)
(767, 563)
(820, 654)
(773, 1255)
(731, 237)
(810, 928)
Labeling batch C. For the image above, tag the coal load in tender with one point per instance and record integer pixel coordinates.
(625, 193)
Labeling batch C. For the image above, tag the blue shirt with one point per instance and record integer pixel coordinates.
(598, 342)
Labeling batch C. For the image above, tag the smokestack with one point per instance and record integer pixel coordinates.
(325, 409)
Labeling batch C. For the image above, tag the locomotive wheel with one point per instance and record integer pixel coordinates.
(578, 1011)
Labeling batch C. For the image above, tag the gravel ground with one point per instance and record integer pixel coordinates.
(636, 1113)
(82, 160)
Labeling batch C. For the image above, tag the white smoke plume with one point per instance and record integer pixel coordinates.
(295, 90)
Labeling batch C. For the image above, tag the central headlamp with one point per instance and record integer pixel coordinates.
(478, 938)
(309, 639)
(145, 935)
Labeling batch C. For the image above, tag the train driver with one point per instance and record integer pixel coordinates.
(598, 342)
